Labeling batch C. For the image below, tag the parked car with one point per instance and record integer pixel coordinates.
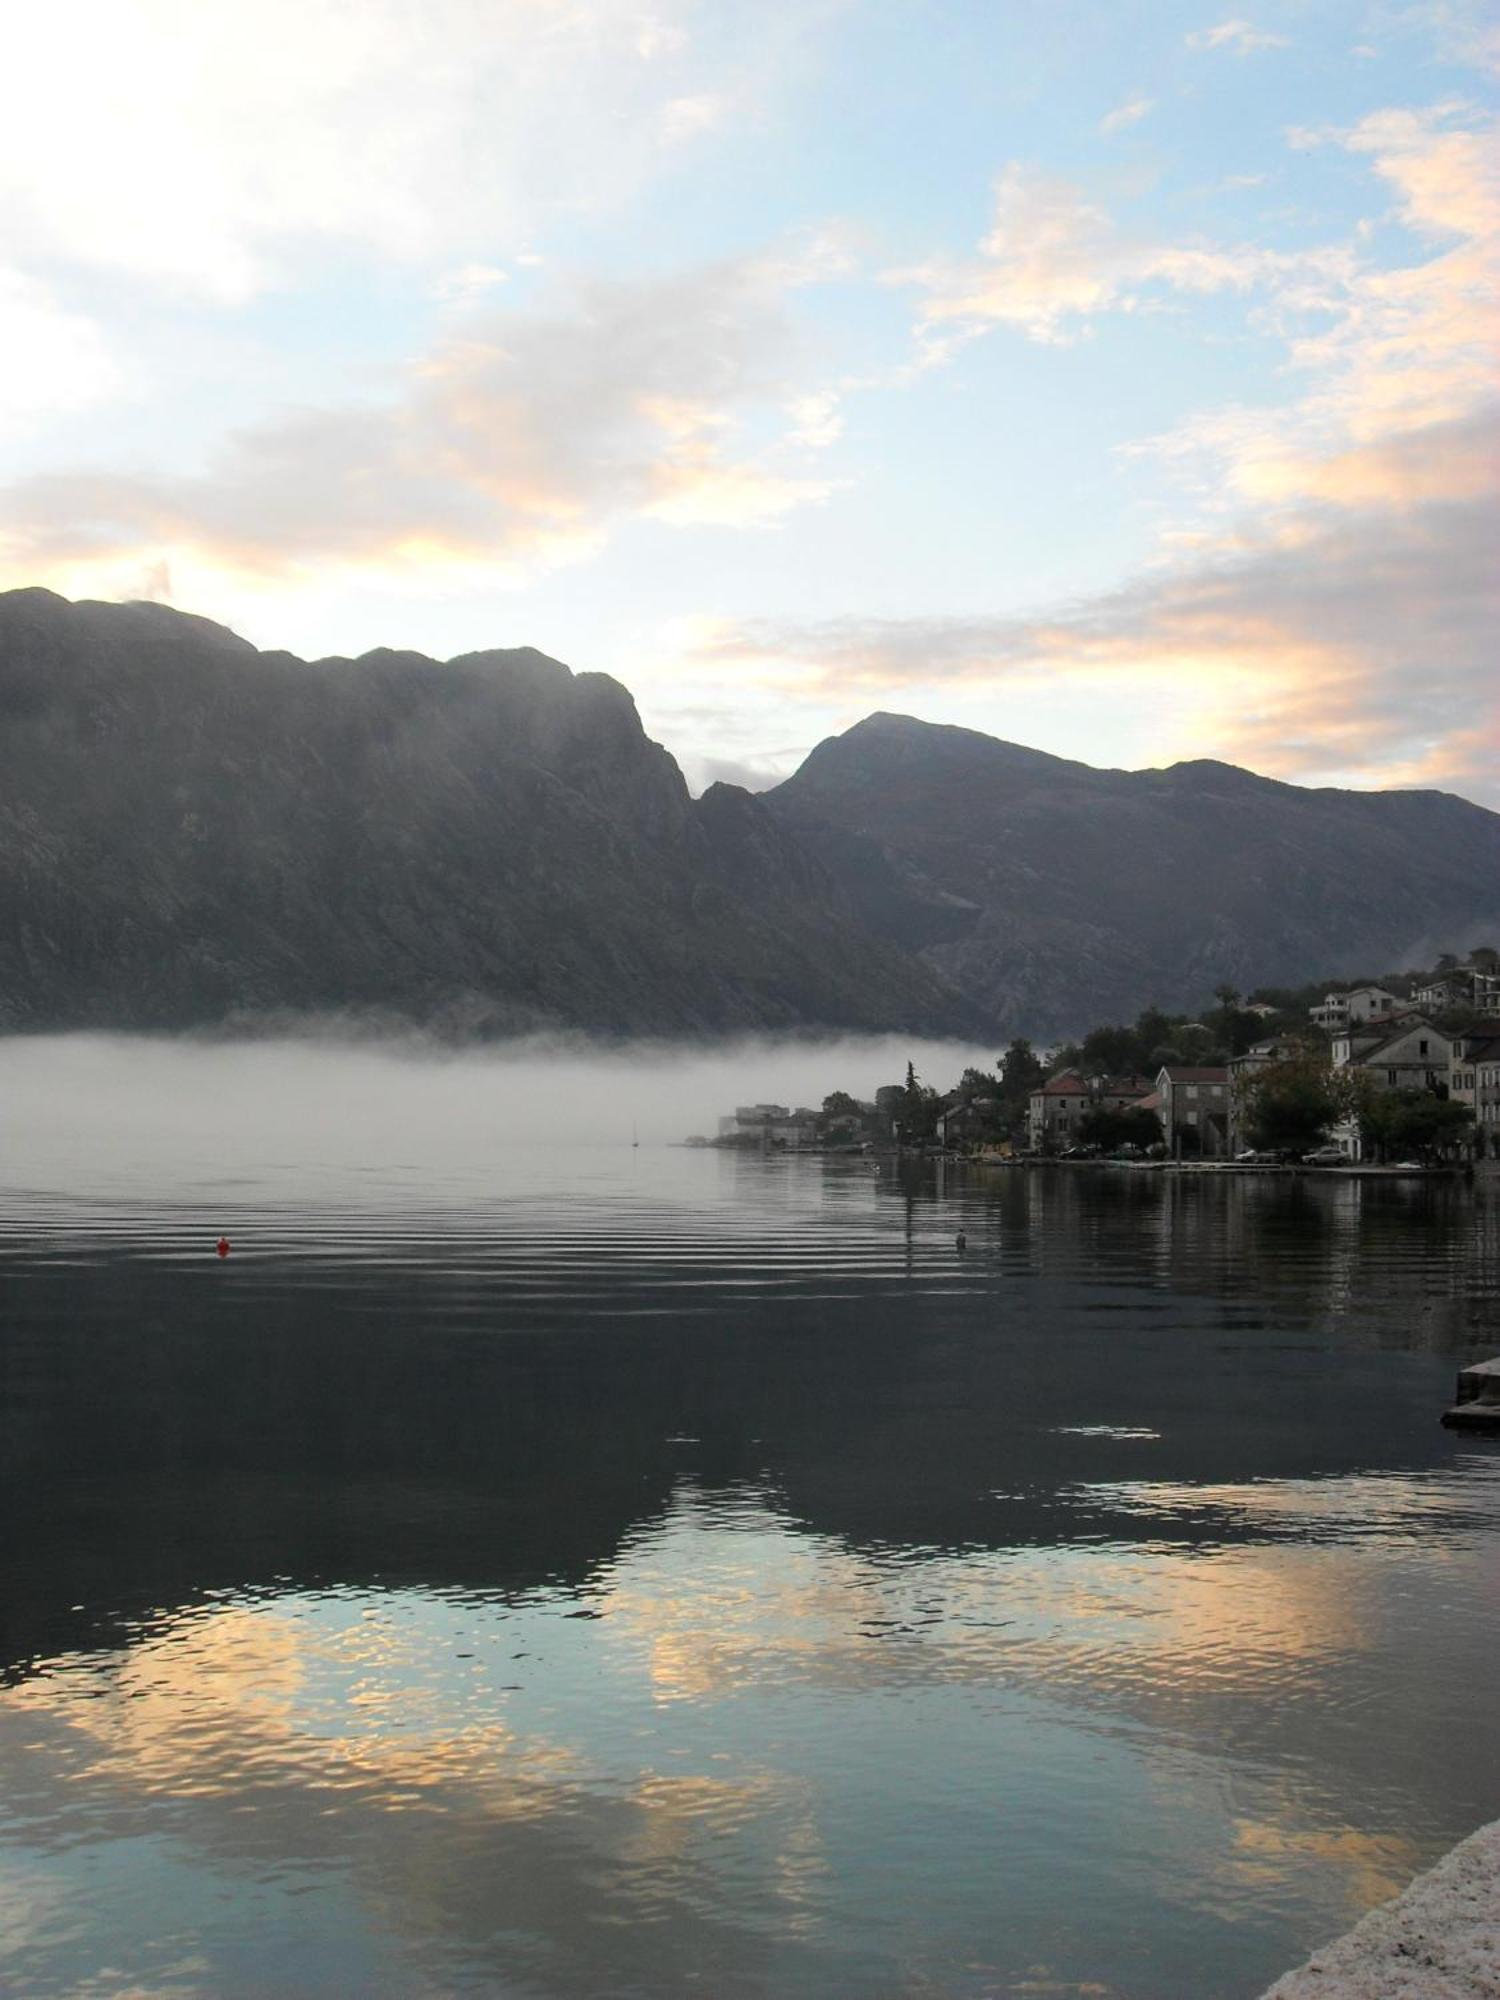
(1253, 1157)
(1326, 1156)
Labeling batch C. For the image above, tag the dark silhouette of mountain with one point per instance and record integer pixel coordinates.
(195, 832)
(1058, 896)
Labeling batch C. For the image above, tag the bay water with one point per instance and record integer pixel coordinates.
(534, 1563)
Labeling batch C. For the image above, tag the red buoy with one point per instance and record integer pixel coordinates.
(222, 1246)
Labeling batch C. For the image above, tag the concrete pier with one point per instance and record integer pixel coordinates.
(1440, 1940)
(1478, 1404)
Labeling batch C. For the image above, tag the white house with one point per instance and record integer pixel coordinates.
(1362, 1003)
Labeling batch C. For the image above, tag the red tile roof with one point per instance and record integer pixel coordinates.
(1068, 1084)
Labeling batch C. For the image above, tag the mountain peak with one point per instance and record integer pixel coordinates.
(888, 755)
(195, 832)
(1058, 895)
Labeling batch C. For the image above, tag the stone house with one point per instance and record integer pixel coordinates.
(1057, 1108)
(1414, 1055)
(771, 1124)
(1242, 1071)
(1474, 1079)
(1195, 1109)
(969, 1122)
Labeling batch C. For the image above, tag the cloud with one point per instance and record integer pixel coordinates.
(217, 149)
(468, 282)
(1241, 38)
(754, 775)
(1465, 32)
(1330, 608)
(685, 117)
(520, 437)
(1357, 648)
(51, 360)
(1127, 114)
(1052, 259)
(1397, 359)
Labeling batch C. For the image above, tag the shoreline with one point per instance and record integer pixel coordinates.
(1438, 1940)
(1355, 1170)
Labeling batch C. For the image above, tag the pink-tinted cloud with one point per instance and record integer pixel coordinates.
(1053, 259)
(519, 437)
(1360, 645)
(1332, 608)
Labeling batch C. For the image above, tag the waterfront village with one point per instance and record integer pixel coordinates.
(1400, 1073)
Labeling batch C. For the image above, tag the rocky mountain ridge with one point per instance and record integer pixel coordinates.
(193, 832)
(1057, 895)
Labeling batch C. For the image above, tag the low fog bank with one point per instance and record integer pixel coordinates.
(71, 1103)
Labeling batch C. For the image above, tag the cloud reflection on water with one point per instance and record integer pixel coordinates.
(481, 1771)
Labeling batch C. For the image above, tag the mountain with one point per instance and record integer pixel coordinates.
(1056, 895)
(194, 832)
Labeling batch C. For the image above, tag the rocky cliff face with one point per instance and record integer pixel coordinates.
(1057, 895)
(194, 832)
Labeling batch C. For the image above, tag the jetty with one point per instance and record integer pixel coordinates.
(1477, 1407)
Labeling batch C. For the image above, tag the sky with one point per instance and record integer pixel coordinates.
(1114, 376)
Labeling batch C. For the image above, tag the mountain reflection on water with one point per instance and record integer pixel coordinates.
(652, 1572)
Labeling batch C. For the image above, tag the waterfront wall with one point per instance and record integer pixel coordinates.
(1440, 1940)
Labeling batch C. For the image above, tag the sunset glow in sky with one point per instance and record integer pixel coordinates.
(1117, 376)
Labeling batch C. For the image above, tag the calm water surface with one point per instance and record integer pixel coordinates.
(594, 1571)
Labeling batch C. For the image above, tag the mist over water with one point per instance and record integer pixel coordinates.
(98, 1104)
(534, 1564)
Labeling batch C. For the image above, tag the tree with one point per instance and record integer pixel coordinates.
(1109, 1051)
(1291, 1106)
(1020, 1069)
(1415, 1122)
(839, 1108)
(1110, 1129)
(889, 1100)
(975, 1083)
(1192, 1042)
(1153, 1031)
(919, 1108)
